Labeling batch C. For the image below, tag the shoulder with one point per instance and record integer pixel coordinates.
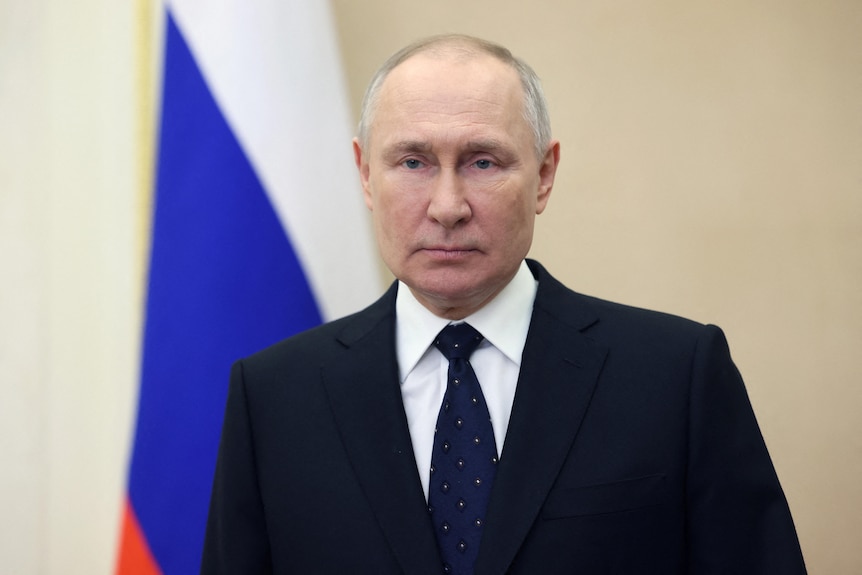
(637, 344)
(612, 322)
(321, 343)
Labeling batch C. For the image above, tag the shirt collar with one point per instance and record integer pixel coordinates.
(504, 321)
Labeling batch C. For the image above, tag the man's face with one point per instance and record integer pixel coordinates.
(452, 179)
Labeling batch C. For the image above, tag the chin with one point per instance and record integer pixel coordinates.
(456, 291)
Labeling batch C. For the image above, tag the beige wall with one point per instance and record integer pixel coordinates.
(711, 167)
(70, 280)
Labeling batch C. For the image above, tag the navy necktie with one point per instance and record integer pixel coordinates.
(464, 457)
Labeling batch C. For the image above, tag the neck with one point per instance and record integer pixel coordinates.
(455, 310)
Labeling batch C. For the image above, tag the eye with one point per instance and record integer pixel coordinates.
(483, 164)
(412, 164)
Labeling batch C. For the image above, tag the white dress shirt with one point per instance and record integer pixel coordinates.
(504, 323)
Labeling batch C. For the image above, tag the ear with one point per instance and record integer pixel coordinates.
(547, 173)
(362, 166)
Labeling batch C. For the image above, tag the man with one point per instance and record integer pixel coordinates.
(620, 440)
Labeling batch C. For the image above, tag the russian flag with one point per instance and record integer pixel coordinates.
(259, 232)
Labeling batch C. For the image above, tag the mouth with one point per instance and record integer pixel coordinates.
(445, 253)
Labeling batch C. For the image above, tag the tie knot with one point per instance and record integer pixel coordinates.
(458, 341)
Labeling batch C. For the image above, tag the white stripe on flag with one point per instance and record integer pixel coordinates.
(274, 69)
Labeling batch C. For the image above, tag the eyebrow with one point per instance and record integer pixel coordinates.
(408, 146)
(485, 144)
(419, 146)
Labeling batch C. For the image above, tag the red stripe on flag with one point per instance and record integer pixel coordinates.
(135, 556)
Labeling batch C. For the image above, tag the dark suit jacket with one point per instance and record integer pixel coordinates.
(632, 449)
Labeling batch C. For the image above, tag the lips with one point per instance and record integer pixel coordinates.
(448, 252)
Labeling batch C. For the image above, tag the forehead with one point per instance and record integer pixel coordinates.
(453, 89)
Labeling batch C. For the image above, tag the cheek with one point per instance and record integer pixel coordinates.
(516, 210)
(395, 215)
(512, 221)
(401, 200)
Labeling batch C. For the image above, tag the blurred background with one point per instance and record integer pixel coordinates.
(711, 167)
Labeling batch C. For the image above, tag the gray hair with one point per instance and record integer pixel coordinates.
(535, 105)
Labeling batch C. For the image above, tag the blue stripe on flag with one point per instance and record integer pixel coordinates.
(224, 282)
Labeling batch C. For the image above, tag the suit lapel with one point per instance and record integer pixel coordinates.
(365, 397)
(559, 370)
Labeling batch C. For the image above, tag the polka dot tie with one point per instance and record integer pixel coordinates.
(464, 458)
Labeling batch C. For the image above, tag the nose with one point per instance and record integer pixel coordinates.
(448, 203)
